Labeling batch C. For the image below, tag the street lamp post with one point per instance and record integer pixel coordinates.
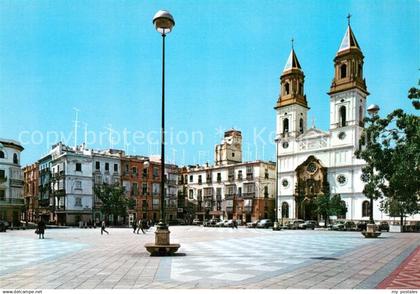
(164, 23)
(371, 228)
(276, 225)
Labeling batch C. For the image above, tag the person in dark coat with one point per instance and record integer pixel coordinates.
(41, 228)
(141, 226)
(134, 224)
(103, 226)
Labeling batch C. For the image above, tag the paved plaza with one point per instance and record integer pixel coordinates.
(208, 258)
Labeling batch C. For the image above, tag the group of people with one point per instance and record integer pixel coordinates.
(141, 224)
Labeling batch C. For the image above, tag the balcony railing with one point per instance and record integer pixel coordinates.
(12, 201)
(171, 182)
(248, 195)
(208, 198)
(229, 196)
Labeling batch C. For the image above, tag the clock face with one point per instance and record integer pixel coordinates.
(341, 135)
(341, 179)
(285, 145)
(311, 168)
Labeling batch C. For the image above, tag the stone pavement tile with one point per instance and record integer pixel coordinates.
(347, 284)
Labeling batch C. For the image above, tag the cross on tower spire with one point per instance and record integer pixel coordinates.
(348, 18)
(293, 40)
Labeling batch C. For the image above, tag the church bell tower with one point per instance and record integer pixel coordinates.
(348, 89)
(291, 105)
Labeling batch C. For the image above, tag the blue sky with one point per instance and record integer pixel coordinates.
(223, 61)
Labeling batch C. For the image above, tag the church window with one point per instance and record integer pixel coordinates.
(365, 208)
(300, 88)
(301, 125)
(311, 168)
(343, 71)
(285, 125)
(285, 183)
(15, 159)
(341, 135)
(1, 154)
(341, 179)
(286, 88)
(342, 116)
(360, 70)
(285, 210)
(285, 145)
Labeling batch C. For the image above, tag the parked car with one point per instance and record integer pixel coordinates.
(175, 222)
(265, 223)
(383, 226)
(197, 222)
(338, 226)
(4, 225)
(361, 225)
(220, 223)
(229, 223)
(287, 225)
(309, 224)
(252, 224)
(350, 226)
(296, 223)
(212, 222)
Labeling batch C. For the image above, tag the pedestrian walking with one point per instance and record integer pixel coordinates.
(103, 226)
(41, 229)
(140, 226)
(235, 224)
(134, 224)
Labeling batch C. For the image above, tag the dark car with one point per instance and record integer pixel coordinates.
(350, 226)
(265, 223)
(309, 224)
(383, 226)
(361, 225)
(3, 226)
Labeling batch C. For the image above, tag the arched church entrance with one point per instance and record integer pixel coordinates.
(311, 182)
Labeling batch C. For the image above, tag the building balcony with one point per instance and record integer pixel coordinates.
(16, 183)
(229, 196)
(208, 198)
(12, 201)
(171, 182)
(249, 195)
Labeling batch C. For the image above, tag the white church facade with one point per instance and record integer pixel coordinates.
(309, 159)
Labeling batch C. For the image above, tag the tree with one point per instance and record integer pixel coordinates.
(328, 205)
(391, 150)
(113, 200)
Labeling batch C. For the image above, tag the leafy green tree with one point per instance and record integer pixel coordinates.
(391, 149)
(328, 205)
(113, 200)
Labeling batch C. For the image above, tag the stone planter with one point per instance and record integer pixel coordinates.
(371, 231)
